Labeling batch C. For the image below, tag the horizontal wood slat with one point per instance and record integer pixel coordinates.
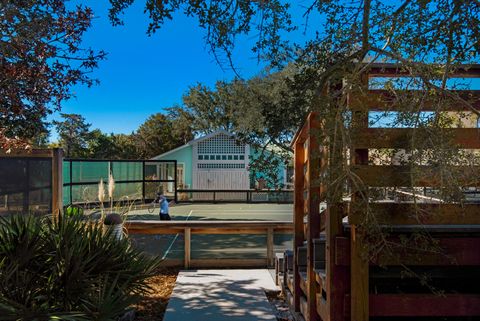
(403, 137)
(401, 176)
(411, 214)
(454, 251)
(404, 305)
(208, 227)
(383, 100)
(396, 70)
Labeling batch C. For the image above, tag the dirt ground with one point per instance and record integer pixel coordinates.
(153, 306)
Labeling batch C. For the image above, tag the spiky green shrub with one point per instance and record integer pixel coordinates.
(67, 269)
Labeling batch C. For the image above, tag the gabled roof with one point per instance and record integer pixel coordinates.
(218, 132)
(195, 141)
(171, 151)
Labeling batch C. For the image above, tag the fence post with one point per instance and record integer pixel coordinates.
(71, 181)
(187, 241)
(143, 181)
(270, 247)
(57, 181)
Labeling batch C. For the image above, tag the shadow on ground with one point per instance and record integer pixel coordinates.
(212, 296)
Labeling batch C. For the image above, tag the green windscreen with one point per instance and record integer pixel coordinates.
(134, 180)
(127, 171)
(86, 172)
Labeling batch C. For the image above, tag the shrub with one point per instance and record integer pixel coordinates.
(67, 269)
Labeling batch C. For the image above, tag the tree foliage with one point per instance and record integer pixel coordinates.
(73, 133)
(427, 39)
(263, 111)
(40, 60)
(158, 135)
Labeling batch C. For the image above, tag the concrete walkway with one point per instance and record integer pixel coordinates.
(219, 295)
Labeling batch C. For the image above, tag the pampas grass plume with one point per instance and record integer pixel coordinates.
(111, 186)
(101, 191)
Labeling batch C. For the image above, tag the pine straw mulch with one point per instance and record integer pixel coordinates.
(279, 306)
(153, 305)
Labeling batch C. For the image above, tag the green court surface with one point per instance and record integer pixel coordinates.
(232, 246)
(218, 212)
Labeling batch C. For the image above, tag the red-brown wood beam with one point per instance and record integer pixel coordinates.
(299, 181)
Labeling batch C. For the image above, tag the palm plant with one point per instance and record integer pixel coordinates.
(67, 269)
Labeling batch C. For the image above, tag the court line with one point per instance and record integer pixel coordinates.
(174, 239)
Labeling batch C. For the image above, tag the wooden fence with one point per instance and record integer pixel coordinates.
(189, 228)
(27, 181)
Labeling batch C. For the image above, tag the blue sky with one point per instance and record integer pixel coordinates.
(142, 75)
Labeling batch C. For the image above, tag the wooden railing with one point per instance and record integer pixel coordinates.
(235, 196)
(189, 228)
(340, 291)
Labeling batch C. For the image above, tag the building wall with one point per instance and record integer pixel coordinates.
(219, 162)
(184, 156)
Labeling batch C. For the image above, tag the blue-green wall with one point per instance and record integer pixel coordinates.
(183, 155)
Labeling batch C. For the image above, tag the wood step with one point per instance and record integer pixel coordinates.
(302, 256)
(290, 284)
(303, 282)
(321, 306)
(288, 257)
(321, 277)
(279, 264)
(304, 307)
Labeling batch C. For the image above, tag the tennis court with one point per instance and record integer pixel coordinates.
(232, 246)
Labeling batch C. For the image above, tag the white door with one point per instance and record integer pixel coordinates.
(221, 179)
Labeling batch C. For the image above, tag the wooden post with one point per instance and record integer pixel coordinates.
(359, 277)
(187, 241)
(57, 181)
(337, 277)
(313, 227)
(270, 256)
(359, 293)
(298, 216)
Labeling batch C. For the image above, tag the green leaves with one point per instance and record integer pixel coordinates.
(40, 60)
(67, 269)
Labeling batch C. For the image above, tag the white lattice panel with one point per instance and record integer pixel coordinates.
(220, 144)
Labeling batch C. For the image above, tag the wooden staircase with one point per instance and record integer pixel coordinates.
(327, 278)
